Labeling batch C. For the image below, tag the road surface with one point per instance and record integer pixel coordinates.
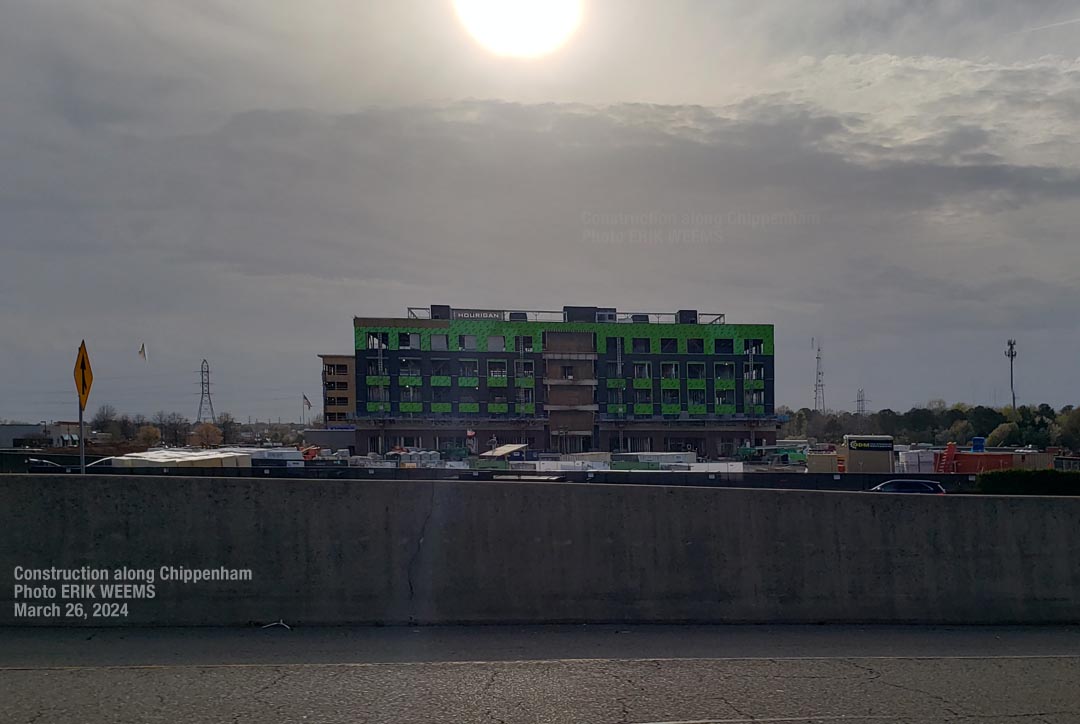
(534, 675)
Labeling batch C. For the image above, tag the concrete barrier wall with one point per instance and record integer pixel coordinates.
(328, 552)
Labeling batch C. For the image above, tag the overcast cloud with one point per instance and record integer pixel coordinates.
(235, 180)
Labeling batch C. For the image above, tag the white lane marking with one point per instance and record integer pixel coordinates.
(777, 719)
(527, 662)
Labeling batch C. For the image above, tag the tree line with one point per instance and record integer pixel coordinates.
(175, 429)
(938, 423)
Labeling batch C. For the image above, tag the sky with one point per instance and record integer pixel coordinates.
(234, 180)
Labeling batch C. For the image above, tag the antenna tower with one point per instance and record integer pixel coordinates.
(860, 402)
(819, 382)
(1011, 354)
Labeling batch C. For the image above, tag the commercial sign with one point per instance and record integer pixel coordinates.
(490, 315)
(870, 445)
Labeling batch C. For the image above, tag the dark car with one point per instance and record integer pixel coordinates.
(926, 487)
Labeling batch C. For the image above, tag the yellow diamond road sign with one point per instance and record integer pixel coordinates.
(84, 376)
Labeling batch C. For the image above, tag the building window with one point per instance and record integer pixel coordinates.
(523, 344)
(640, 345)
(496, 344)
(467, 341)
(567, 372)
(695, 370)
(378, 394)
(613, 368)
(328, 369)
(642, 370)
(496, 368)
(331, 385)
(468, 368)
(524, 395)
(695, 346)
(376, 366)
(669, 370)
(695, 397)
(440, 342)
(757, 372)
(408, 340)
(724, 346)
(615, 397)
(725, 397)
(725, 370)
(524, 368)
(757, 397)
(411, 394)
(440, 394)
(615, 345)
(440, 367)
(341, 369)
(753, 346)
(669, 397)
(643, 397)
(378, 340)
(343, 385)
(410, 367)
(669, 345)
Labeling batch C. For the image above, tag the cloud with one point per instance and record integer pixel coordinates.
(235, 181)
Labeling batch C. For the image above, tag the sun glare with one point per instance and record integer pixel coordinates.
(520, 28)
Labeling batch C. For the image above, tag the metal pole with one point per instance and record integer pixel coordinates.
(82, 443)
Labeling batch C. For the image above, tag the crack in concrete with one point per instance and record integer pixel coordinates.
(946, 704)
(420, 540)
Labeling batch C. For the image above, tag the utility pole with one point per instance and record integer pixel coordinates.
(1010, 352)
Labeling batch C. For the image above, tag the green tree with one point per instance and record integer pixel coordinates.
(1069, 430)
(959, 432)
(1007, 433)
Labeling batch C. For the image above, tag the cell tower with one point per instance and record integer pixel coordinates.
(819, 381)
(1011, 354)
(206, 403)
(860, 402)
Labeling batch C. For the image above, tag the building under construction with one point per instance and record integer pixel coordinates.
(580, 379)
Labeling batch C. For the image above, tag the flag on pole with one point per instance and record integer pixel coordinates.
(142, 351)
(307, 402)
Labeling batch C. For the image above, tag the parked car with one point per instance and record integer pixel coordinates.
(926, 487)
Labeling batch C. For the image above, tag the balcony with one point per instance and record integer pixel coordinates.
(591, 407)
(570, 381)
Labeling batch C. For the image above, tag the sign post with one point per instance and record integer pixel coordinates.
(84, 380)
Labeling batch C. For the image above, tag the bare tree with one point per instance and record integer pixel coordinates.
(148, 436)
(103, 418)
(230, 428)
(207, 435)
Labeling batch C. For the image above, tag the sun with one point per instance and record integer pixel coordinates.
(520, 28)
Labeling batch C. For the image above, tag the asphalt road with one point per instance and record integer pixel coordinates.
(533, 675)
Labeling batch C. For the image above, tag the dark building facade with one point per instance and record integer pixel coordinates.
(581, 379)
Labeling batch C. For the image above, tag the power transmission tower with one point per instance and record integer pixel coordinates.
(206, 404)
(860, 402)
(1011, 354)
(819, 383)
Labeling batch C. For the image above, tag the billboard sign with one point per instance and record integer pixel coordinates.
(856, 443)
